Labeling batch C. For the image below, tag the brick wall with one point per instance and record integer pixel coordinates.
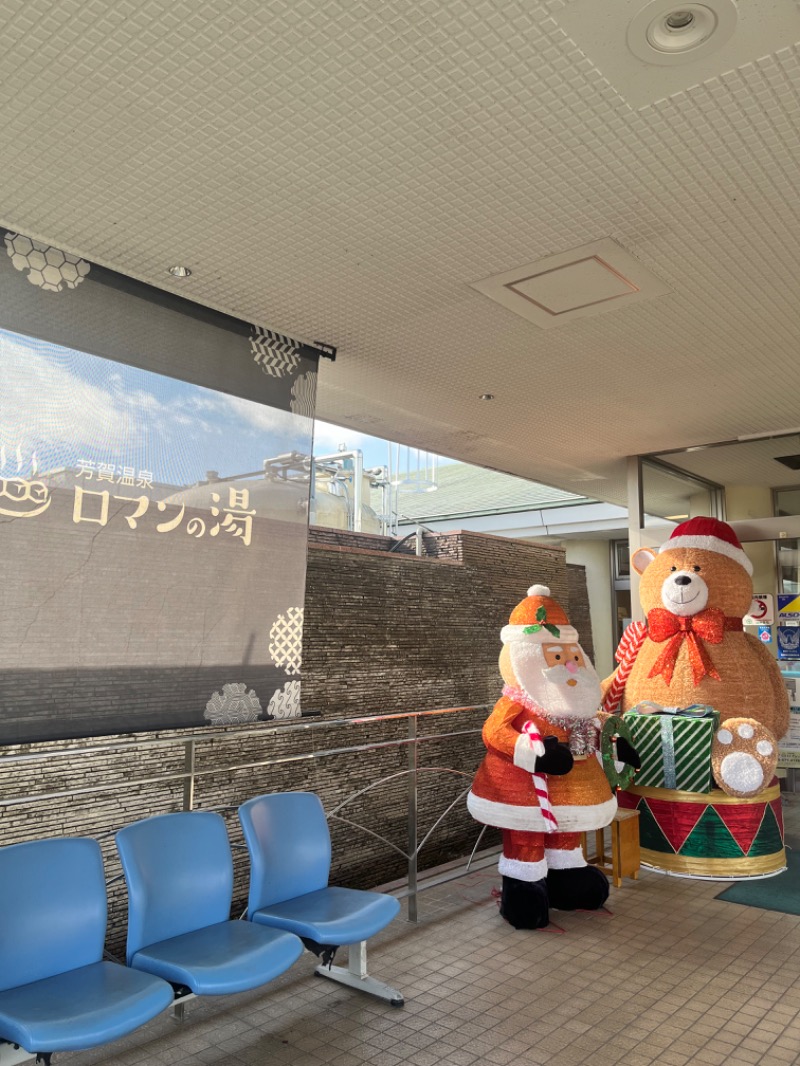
(385, 632)
(393, 632)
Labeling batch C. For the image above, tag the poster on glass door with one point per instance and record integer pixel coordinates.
(789, 745)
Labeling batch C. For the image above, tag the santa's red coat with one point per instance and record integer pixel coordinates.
(503, 794)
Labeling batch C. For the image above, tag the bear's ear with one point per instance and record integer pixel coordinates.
(641, 559)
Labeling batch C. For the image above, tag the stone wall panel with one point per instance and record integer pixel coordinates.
(386, 632)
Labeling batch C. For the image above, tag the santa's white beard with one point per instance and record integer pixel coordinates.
(547, 685)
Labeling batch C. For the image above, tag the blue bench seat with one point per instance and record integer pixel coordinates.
(289, 843)
(56, 992)
(81, 1008)
(331, 915)
(179, 872)
(220, 959)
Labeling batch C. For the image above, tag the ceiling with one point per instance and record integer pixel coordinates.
(343, 171)
(752, 462)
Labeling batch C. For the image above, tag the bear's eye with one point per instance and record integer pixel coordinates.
(576, 658)
(557, 658)
(696, 569)
(673, 569)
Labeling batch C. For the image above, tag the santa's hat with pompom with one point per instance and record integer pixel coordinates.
(711, 535)
(538, 618)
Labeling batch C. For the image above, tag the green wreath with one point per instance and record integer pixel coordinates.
(615, 726)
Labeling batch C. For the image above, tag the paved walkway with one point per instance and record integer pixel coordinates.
(673, 976)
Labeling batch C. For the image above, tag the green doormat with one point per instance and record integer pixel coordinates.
(779, 893)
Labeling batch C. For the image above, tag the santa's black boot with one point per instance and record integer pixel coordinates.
(524, 903)
(580, 888)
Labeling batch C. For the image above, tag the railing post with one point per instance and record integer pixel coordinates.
(412, 819)
(188, 782)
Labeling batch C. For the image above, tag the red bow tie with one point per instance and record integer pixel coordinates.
(708, 625)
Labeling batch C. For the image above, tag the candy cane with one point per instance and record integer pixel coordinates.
(540, 781)
(632, 640)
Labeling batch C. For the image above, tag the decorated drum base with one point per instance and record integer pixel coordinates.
(710, 835)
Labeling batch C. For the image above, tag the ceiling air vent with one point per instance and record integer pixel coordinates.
(598, 277)
(792, 461)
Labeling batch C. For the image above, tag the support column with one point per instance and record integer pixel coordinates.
(635, 531)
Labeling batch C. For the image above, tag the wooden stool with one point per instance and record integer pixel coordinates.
(624, 847)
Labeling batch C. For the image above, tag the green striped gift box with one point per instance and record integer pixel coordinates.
(675, 749)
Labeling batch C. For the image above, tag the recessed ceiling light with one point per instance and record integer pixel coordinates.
(180, 272)
(664, 32)
(486, 396)
(679, 20)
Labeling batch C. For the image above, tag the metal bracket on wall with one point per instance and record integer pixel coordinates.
(326, 350)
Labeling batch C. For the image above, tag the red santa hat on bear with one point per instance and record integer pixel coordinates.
(711, 535)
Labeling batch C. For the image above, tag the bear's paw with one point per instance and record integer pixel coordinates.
(743, 756)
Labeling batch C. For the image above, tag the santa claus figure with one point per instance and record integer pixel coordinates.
(541, 781)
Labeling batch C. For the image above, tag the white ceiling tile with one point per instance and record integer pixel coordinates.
(342, 172)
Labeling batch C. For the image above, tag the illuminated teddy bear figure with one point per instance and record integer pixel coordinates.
(541, 782)
(693, 650)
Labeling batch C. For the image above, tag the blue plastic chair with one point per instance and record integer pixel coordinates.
(179, 872)
(56, 993)
(290, 859)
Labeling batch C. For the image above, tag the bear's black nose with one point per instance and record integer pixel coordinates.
(683, 580)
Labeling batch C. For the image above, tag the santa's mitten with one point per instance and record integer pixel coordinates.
(627, 753)
(580, 888)
(743, 756)
(557, 758)
(541, 756)
(523, 904)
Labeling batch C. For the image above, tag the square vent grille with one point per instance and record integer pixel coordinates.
(598, 277)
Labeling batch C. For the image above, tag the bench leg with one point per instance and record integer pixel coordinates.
(178, 1003)
(356, 976)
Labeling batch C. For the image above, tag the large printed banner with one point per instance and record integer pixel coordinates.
(153, 505)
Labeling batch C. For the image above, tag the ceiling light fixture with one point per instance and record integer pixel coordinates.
(486, 396)
(679, 20)
(180, 272)
(664, 33)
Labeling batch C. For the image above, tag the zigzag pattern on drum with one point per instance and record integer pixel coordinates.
(275, 353)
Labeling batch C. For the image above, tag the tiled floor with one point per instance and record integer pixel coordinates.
(672, 977)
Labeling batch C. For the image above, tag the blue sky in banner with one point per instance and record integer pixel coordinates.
(59, 406)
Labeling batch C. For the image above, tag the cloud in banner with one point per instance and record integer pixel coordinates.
(62, 406)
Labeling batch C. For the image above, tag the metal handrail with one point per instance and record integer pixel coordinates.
(190, 773)
(214, 733)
